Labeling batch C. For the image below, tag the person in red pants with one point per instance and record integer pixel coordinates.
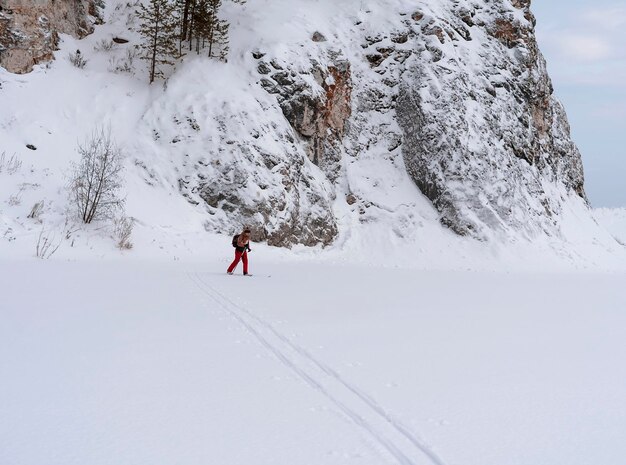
(241, 243)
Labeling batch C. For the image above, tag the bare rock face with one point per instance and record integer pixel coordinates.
(29, 29)
(318, 108)
(483, 140)
(274, 193)
(458, 96)
(294, 210)
(237, 160)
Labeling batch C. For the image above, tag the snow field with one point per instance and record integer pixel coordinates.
(316, 364)
(396, 345)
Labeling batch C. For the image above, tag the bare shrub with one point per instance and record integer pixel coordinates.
(10, 164)
(9, 235)
(104, 45)
(125, 64)
(123, 231)
(96, 181)
(77, 59)
(47, 244)
(16, 199)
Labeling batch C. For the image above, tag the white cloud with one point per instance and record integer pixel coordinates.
(600, 74)
(609, 18)
(613, 111)
(584, 42)
(585, 47)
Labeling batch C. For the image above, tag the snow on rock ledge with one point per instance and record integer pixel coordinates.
(236, 158)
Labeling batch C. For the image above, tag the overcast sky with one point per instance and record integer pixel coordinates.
(584, 42)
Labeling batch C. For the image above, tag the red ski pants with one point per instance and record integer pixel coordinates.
(239, 256)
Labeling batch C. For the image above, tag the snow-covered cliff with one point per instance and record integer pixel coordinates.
(457, 91)
(386, 122)
(453, 94)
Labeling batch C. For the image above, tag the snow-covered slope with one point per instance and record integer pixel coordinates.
(300, 137)
(614, 220)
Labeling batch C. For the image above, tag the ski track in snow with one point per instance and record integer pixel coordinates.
(363, 410)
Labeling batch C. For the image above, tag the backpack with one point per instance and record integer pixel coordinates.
(235, 239)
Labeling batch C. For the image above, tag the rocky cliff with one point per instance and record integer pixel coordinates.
(452, 96)
(29, 29)
(334, 114)
(461, 91)
(482, 133)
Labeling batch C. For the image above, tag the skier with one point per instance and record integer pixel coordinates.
(241, 243)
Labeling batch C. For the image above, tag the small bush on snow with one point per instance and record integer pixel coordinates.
(96, 181)
(16, 199)
(10, 165)
(125, 64)
(123, 231)
(50, 240)
(77, 59)
(47, 244)
(104, 45)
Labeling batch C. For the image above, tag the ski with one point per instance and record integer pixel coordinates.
(249, 275)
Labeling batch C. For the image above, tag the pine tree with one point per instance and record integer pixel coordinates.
(200, 26)
(158, 29)
(217, 31)
(184, 9)
(191, 26)
(206, 29)
(202, 21)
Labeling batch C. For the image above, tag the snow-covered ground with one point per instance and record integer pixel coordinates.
(309, 363)
(614, 220)
(399, 344)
